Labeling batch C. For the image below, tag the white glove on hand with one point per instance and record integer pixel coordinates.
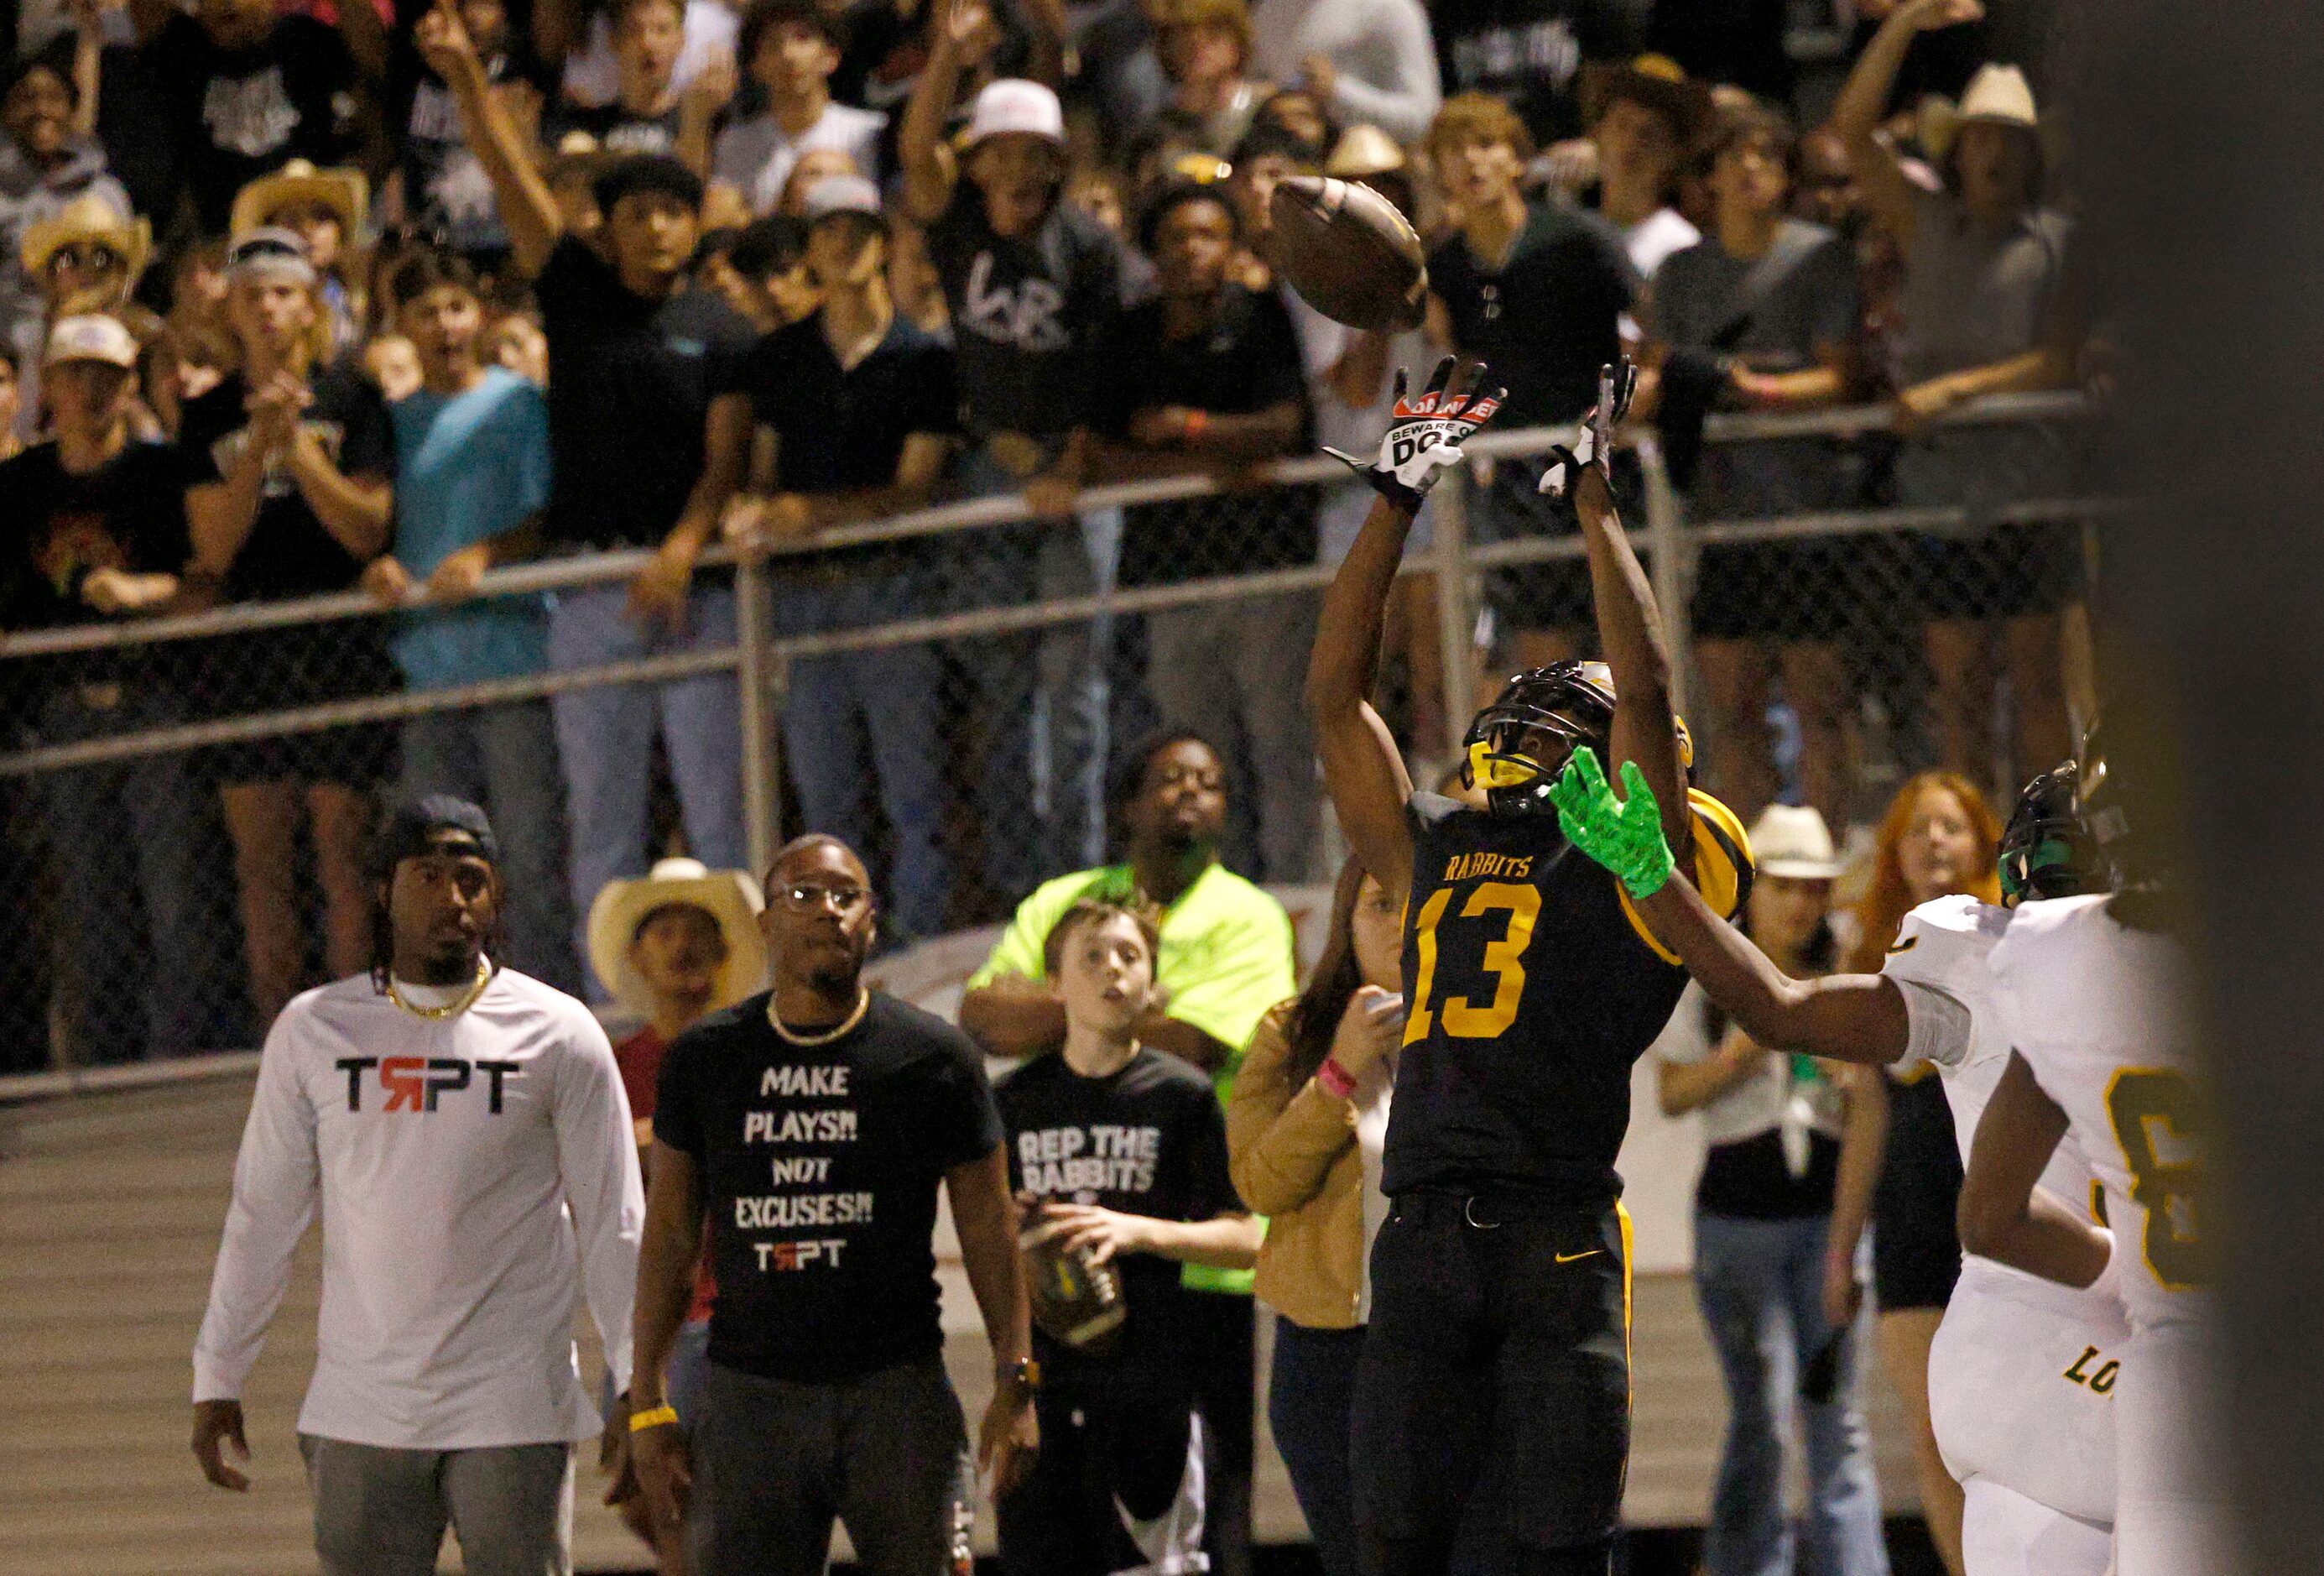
(1616, 385)
(1424, 435)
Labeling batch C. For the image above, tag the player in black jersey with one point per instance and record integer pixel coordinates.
(1492, 1405)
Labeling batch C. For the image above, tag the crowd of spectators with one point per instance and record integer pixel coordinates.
(409, 291)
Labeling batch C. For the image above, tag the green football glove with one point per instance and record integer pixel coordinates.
(1624, 835)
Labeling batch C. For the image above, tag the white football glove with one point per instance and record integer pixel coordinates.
(1424, 435)
(1616, 385)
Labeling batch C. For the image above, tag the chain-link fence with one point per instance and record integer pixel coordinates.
(181, 822)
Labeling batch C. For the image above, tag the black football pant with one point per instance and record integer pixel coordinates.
(1492, 1410)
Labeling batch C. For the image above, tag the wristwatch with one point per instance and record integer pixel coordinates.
(1025, 1373)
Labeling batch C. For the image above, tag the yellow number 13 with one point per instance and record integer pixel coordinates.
(1463, 1020)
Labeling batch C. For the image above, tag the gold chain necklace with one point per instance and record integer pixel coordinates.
(450, 1009)
(822, 1036)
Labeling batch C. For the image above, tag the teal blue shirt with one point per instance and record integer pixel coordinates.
(468, 467)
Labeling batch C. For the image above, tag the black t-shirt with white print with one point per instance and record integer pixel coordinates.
(819, 1167)
(243, 113)
(291, 552)
(1030, 314)
(616, 130)
(1148, 1140)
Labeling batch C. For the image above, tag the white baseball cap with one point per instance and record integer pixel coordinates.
(841, 194)
(90, 337)
(1013, 104)
(1791, 841)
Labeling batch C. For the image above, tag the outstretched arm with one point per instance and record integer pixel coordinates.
(1856, 114)
(2004, 1214)
(1846, 1018)
(1362, 768)
(1629, 625)
(527, 206)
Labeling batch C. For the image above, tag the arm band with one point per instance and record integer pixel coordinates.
(660, 1416)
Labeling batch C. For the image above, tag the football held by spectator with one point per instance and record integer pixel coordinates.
(1118, 1482)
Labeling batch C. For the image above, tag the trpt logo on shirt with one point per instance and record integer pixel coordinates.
(1025, 314)
(415, 1083)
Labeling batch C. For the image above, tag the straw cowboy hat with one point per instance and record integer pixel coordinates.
(1999, 95)
(345, 193)
(1361, 151)
(729, 896)
(1790, 842)
(88, 217)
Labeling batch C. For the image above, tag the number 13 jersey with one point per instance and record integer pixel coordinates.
(2094, 1007)
(1533, 985)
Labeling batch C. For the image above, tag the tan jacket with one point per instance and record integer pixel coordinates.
(1293, 1158)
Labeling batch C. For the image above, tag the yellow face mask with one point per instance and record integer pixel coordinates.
(1489, 770)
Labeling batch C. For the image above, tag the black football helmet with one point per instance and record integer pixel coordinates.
(2047, 849)
(1518, 746)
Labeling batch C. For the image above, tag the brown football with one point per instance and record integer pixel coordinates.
(1347, 250)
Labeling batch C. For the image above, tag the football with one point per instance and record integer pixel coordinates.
(1075, 1301)
(1347, 251)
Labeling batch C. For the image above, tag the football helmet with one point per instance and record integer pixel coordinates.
(1517, 747)
(2047, 849)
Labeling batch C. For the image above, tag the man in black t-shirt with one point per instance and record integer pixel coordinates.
(447, 195)
(1119, 1153)
(652, 432)
(253, 89)
(811, 1126)
(648, 113)
(96, 533)
(1208, 374)
(1033, 283)
(1530, 53)
(862, 406)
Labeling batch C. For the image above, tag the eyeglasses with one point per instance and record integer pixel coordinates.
(88, 257)
(847, 900)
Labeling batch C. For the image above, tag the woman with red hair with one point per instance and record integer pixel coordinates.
(1940, 837)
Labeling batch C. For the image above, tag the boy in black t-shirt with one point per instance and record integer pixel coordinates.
(1118, 1151)
(96, 533)
(251, 89)
(1033, 284)
(1538, 291)
(1208, 374)
(860, 400)
(652, 431)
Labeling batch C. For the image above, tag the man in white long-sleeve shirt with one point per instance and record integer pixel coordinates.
(464, 1130)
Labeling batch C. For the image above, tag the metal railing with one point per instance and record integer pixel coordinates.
(1667, 541)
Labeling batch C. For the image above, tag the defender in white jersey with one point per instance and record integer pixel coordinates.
(2010, 1379)
(2087, 994)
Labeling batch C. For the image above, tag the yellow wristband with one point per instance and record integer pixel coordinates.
(660, 1416)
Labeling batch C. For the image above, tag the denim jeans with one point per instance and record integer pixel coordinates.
(1761, 1286)
(122, 837)
(857, 720)
(1045, 696)
(605, 736)
(1310, 1399)
(505, 758)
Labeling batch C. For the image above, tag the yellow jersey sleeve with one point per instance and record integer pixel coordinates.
(1722, 866)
